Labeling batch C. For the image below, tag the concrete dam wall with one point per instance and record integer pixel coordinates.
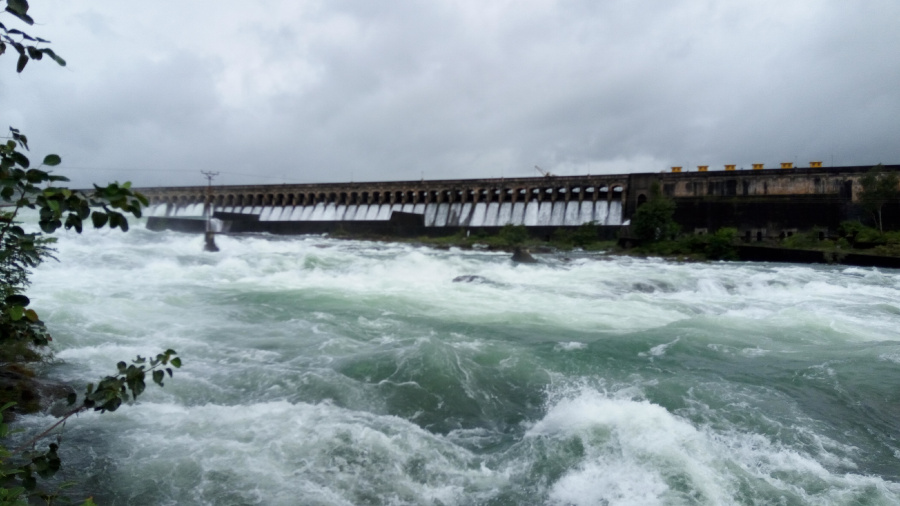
(761, 202)
(404, 208)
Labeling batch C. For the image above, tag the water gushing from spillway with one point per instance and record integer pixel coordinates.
(457, 214)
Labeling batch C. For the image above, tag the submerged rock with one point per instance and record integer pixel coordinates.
(653, 286)
(31, 394)
(522, 256)
(471, 278)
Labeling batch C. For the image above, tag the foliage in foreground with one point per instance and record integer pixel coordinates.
(22, 332)
(21, 466)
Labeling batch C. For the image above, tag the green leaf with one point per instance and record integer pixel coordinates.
(52, 160)
(23, 60)
(36, 176)
(20, 159)
(71, 398)
(32, 316)
(158, 377)
(14, 7)
(15, 313)
(99, 219)
(54, 56)
(176, 362)
(17, 6)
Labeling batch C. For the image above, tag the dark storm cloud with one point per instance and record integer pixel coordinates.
(320, 91)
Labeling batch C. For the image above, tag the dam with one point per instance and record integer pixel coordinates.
(434, 207)
(760, 202)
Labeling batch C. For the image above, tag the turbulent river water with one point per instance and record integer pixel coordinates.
(328, 372)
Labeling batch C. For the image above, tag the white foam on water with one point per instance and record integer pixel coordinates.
(659, 350)
(612, 483)
(283, 453)
(570, 346)
(640, 448)
(637, 453)
(265, 320)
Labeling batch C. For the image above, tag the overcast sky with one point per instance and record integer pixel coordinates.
(278, 91)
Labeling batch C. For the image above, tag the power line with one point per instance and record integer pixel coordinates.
(126, 169)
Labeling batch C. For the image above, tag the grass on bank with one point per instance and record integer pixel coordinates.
(851, 236)
(509, 237)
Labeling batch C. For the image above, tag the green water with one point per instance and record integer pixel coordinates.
(339, 372)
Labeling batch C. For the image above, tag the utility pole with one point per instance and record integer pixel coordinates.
(207, 210)
(207, 205)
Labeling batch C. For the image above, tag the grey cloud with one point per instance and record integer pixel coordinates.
(331, 91)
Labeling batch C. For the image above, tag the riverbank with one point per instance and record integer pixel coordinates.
(802, 249)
